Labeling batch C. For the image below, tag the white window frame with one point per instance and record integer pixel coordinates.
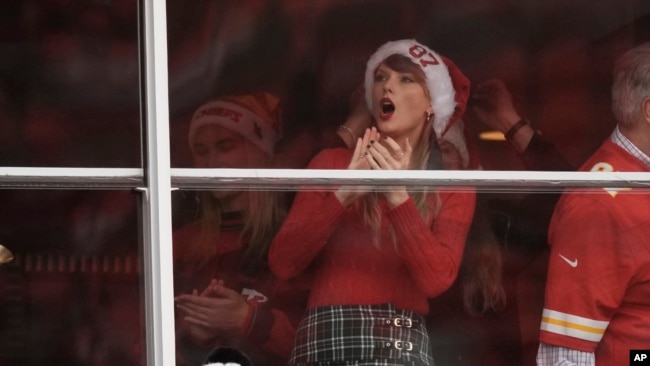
(157, 179)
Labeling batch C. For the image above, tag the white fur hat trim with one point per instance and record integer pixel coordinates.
(438, 80)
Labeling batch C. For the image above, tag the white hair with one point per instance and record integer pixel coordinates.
(631, 84)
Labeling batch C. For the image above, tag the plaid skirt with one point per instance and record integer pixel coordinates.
(360, 335)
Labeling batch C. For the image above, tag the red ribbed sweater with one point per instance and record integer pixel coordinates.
(334, 244)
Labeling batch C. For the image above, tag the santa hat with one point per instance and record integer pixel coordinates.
(455, 135)
(254, 116)
(447, 86)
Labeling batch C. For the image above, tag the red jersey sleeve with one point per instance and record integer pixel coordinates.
(589, 270)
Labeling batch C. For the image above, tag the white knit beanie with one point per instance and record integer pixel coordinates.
(254, 116)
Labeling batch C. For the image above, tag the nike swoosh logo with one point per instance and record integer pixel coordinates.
(572, 263)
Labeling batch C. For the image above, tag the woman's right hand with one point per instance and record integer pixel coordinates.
(197, 333)
(493, 105)
(217, 312)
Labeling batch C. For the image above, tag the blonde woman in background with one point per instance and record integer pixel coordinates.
(227, 297)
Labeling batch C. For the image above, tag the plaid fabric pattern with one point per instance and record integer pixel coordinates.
(619, 139)
(359, 335)
(550, 355)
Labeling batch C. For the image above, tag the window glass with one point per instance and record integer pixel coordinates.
(70, 96)
(72, 293)
(69, 84)
(555, 59)
(489, 314)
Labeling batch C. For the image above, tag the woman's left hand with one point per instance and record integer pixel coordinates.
(386, 154)
(217, 312)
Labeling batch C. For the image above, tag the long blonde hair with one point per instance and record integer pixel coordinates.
(368, 206)
(481, 269)
(261, 220)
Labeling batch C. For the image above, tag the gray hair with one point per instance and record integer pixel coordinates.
(631, 84)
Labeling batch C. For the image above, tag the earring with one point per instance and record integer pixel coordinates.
(428, 116)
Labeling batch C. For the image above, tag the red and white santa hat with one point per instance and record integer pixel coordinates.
(448, 87)
(455, 135)
(254, 116)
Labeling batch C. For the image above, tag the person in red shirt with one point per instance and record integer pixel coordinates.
(375, 256)
(226, 296)
(597, 303)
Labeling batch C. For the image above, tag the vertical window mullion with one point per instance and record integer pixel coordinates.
(157, 235)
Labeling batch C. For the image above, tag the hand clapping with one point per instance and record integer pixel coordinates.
(377, 153)
(216, 312)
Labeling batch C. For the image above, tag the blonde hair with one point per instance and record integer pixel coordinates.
(368, 206)
(262, 218)
(481, 269)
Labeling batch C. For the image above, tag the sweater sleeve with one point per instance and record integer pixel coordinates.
(311, 221)
(273, 325)
(433, 254)
(271, 331)
(542, 155)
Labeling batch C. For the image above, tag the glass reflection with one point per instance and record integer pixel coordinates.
(313, 58)
(491, 313)
(72, 293)
(69, 84)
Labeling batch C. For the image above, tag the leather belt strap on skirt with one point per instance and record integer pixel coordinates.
(359, 334)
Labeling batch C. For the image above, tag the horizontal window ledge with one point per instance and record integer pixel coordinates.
(64, 178)
(316, 179)
(284, 179)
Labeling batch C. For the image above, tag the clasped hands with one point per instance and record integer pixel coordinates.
(216, 312)
(377, 152)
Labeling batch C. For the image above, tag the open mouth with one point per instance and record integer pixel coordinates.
(386, 108)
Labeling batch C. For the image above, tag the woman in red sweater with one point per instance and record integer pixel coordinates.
(375, 256)
(227, 296)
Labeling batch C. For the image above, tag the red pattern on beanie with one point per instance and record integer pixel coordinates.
(256, 116)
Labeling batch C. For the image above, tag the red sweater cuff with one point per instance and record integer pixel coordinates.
(249, 320)
(404, 213)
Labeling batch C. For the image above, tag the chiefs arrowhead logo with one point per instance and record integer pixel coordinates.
(254, 296)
